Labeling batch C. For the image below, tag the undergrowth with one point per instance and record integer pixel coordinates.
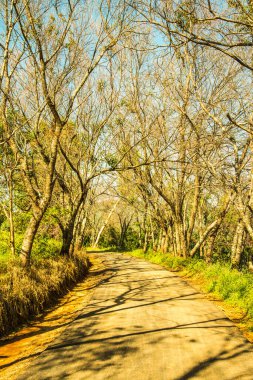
(25, 294)
(230, 285)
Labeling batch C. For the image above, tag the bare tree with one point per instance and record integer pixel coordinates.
(63, 46)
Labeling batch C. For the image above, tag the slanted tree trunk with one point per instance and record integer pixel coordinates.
(39, 206)
(209, 246)
(210, 241)
(79, 231)
(30, 233)
(214, 226)
(123, 233)
(68, 231)
(105, 224)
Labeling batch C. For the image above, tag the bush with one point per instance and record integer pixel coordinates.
(42, 248)
(46, 248)
(26, 293)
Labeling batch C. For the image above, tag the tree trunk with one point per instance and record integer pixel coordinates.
(173, 240)
(209, 246)
(68, 242)
(158, 241)
(245, 214)
(238, 244)
(105, 224)
(67, 237)
(214, 226)
(39, 207)
(145, 245)
(201, 230)
(12, 235)
(165, 241)
(30, 233)
(162, 241)
(204, 237)
(195, 207)
(79, 233)
(152, 231)
(8, 211)
(12, 230)
(181, 243)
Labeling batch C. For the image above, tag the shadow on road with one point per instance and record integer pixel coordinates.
(131, 322)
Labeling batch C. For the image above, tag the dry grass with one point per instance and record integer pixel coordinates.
(25, 294)
(19, 349)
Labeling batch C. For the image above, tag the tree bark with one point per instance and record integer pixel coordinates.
(30, 233)
(165, 241)
(79, 233)
(12, 229)
(238, 245)
(180, 239)
(145, 244)
(67, 238)
(209, 246)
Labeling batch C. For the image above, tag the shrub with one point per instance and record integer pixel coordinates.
(26, 293)
(46, 248)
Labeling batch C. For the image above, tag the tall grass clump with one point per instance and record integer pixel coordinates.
(166, 260)
(26, 293)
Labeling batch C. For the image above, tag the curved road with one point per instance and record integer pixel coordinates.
(144, 322)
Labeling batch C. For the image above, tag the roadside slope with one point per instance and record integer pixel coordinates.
(147, 323)
(19, 348)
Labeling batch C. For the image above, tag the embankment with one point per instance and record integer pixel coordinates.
(25, 294)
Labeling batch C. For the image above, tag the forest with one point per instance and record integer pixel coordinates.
(123, 124)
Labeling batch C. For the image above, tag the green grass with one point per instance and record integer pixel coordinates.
(43, 248)
(4, 261)
(229, 285)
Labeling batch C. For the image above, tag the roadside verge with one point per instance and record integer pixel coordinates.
(19, 349)
(231, 290)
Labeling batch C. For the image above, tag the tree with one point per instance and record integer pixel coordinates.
(62, 47)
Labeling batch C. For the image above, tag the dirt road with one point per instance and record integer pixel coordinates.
(144, 322)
